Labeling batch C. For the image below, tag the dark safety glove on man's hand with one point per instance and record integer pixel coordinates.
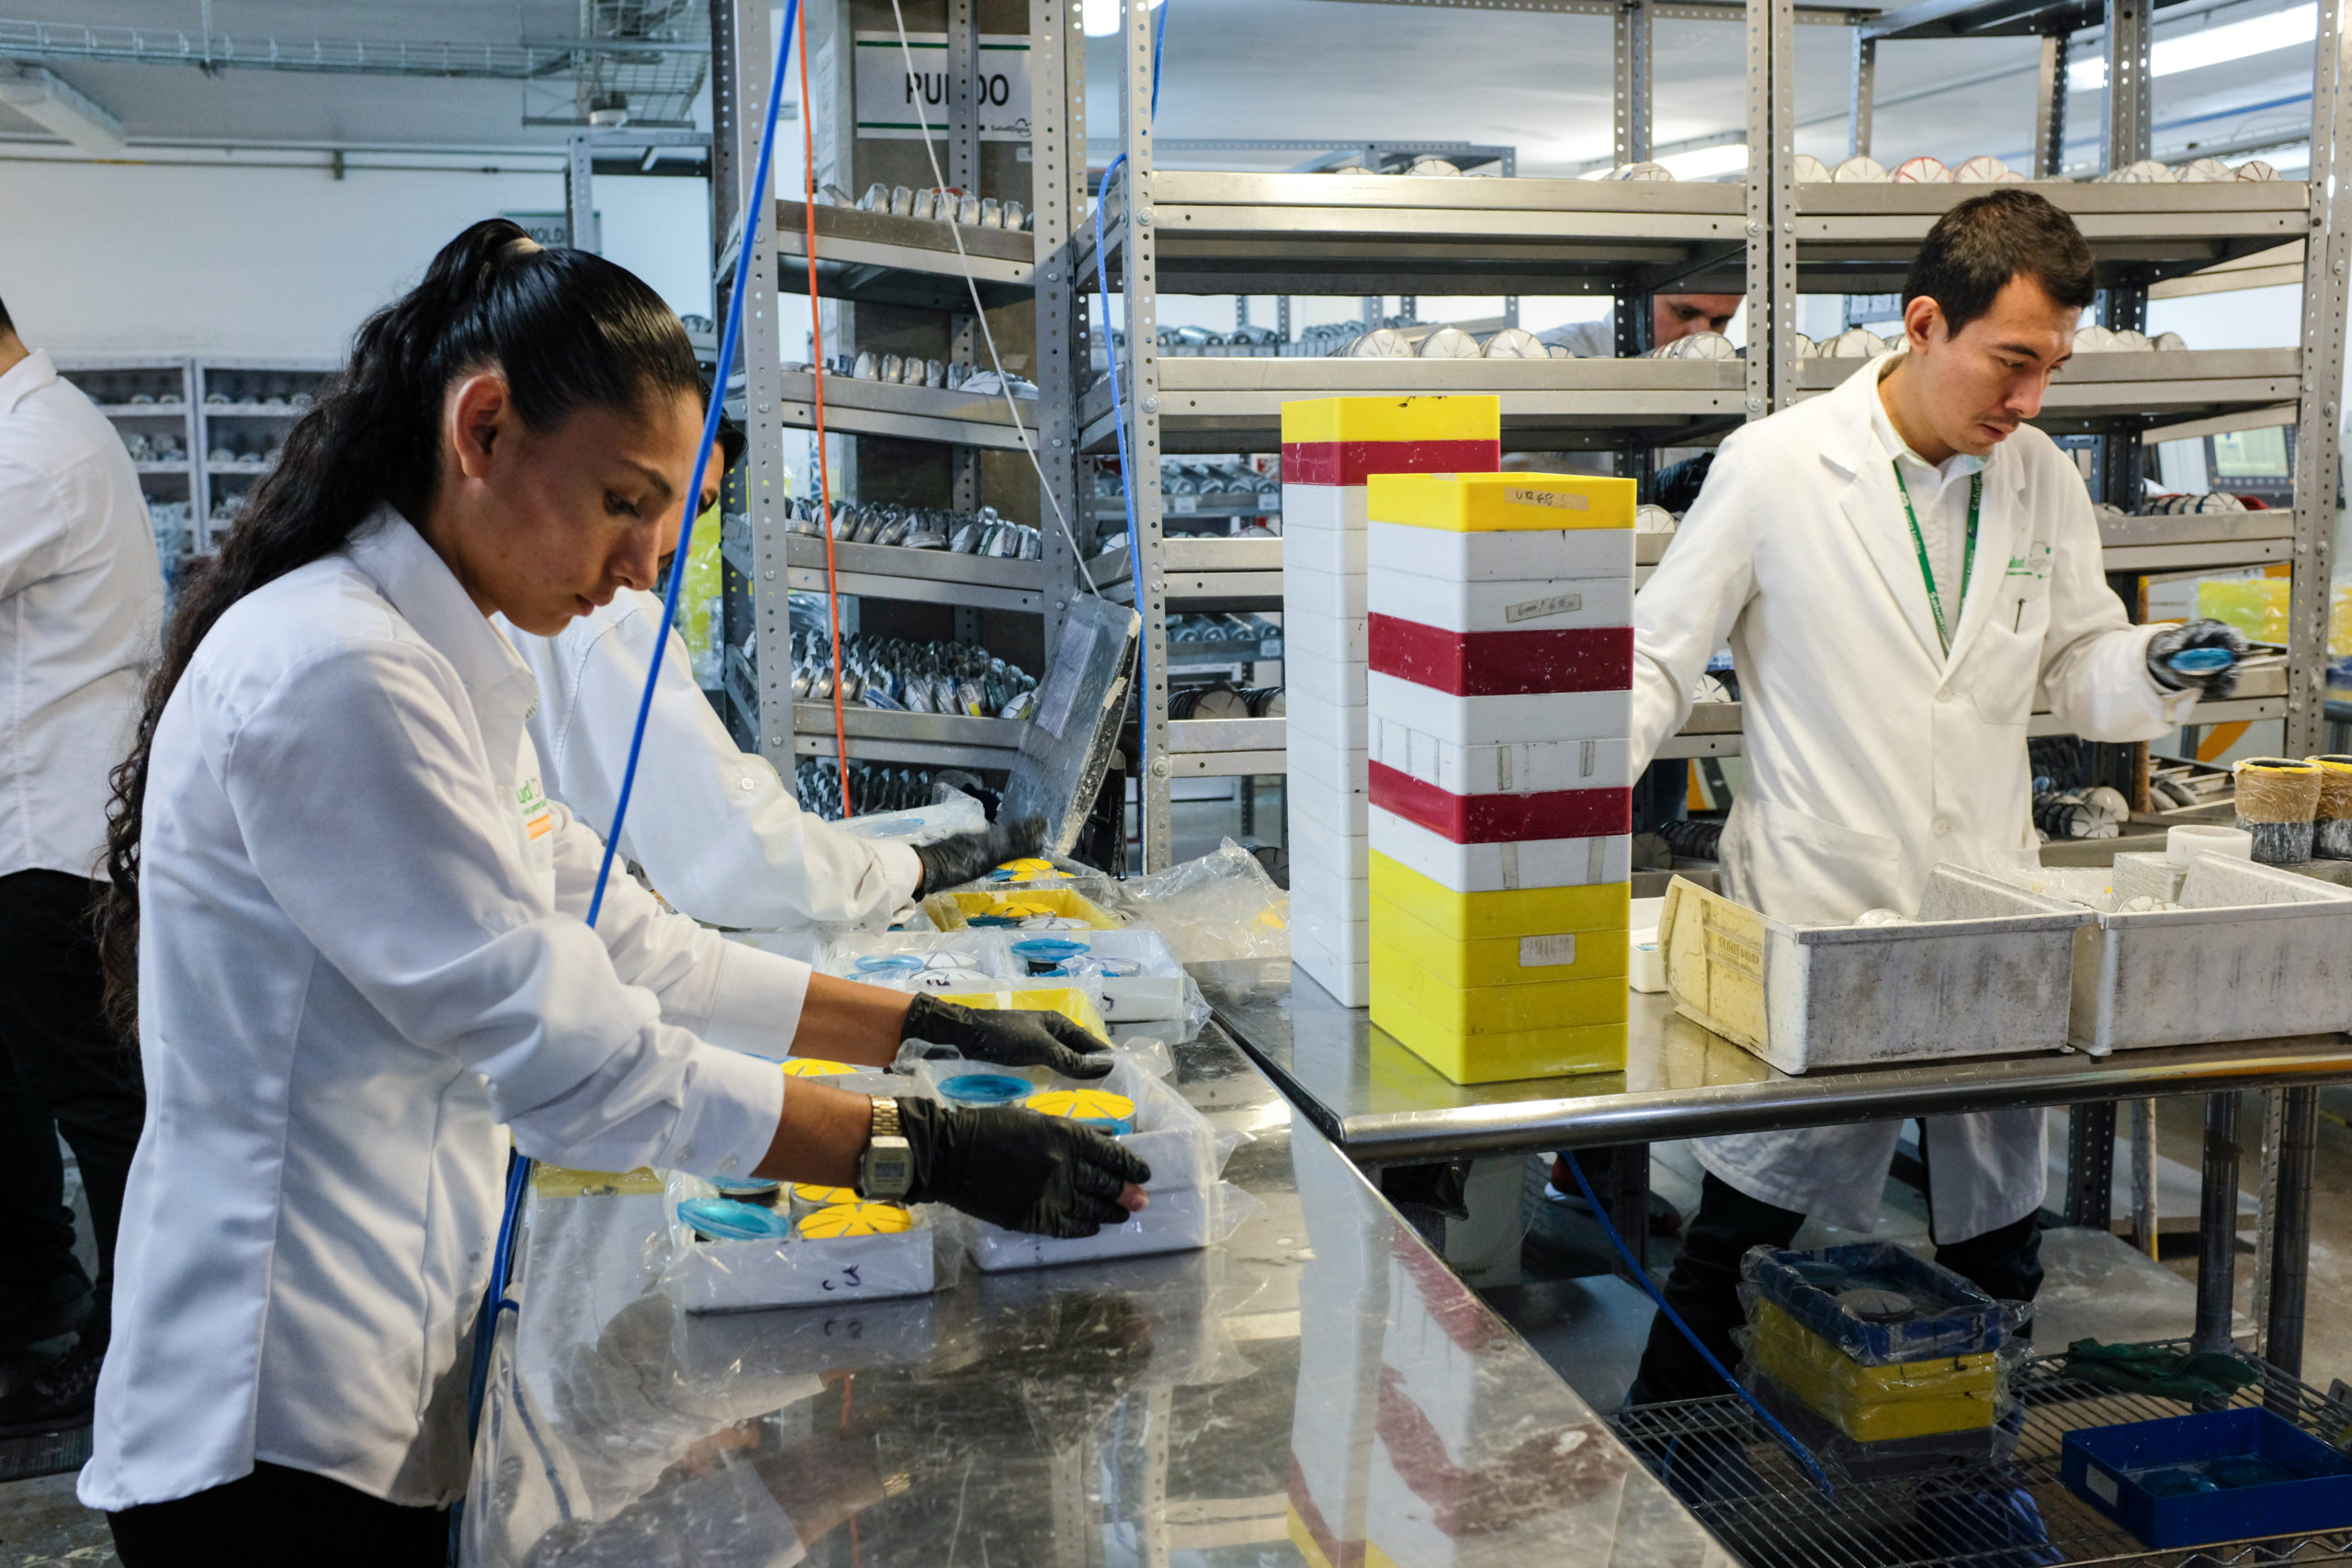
(1015, 1168)
(2204, 638)
(960, 857)
(1008, 1037)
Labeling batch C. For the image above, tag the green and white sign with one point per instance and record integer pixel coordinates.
(887, 91)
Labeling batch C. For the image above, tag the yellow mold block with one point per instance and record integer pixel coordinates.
(1532, 959)
(1908, 1399)
(1393, 419)
(1518, 912)
(1068, 1000)
(1486, 503)
(1501, 1058)
(1047, 907)
(1494, 1010)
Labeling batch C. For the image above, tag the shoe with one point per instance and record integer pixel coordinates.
(59, 1307)
(57, 1398)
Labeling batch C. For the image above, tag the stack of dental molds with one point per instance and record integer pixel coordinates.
(1501, 640)
(1331, 448)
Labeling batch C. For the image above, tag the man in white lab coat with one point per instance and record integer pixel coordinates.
(81, 608)
(1900, 567)
(718, 832)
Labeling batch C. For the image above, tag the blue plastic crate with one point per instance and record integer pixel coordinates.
(1955, 1318)
(2221, 1475)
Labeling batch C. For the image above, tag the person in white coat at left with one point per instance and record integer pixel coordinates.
(354, 929)
(718, 831)
(1901, 566)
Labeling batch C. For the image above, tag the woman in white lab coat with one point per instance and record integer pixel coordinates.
(360, 957)
(1886, 716)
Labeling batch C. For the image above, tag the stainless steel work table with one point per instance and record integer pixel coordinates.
(1317, 1386)
(1382, 1105)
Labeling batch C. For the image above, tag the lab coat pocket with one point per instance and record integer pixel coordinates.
(2005, 665)
(1796, 867)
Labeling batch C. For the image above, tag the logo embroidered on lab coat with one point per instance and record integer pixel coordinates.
(538, 814)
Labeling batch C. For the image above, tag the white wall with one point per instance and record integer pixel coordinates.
(172, 260)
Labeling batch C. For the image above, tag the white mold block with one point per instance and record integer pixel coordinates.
(1503, 556)
(1337, 552)
(1495, 868)
(1315, 680)
(1342, 726)
(1551, 604)
(1338, 811)
(1326, 852)
(1325, 638)
(1525, 767)
(1345, 934)
(1322, 592)
(1336, 509)
(1318, 762)
(1350, 984)
(1482, 721)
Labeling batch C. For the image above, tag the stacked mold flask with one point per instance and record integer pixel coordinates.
(1331, 448)
(1501, 632)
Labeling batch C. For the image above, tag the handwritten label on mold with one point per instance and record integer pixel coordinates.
(1552, 604)
(1559, 499)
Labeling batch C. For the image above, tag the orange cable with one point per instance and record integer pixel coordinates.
(817, 353)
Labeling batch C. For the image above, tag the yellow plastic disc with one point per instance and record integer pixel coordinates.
(824, 1196)
(857, 1219)
(815, 1067)
(1031, 870)
(1023, 909)
(1083, 1105)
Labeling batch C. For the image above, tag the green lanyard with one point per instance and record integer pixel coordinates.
(1968, 555)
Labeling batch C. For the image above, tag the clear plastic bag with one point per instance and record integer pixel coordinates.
(1878, 1304)
(1222, 906)
(796, 1270)
(954, 812)
(920, 960)
(1933, 1396)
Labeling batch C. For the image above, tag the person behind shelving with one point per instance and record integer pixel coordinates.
(715, 829)
(1672, 317)
(349, 923)
(1900, 567)
(81, 608)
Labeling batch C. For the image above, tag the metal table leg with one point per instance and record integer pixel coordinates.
(2291, 1237)
(2217, 1223)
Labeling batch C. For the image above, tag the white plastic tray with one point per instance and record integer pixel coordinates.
(1497, 868)
(745, 1276)
(1322, 592)
(1336, 509)
(1503, 768)
(1400, 590)
(1329, 638)
(1506, 556)
(1478, 721)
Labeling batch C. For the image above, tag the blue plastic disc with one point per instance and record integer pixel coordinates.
(753, 1189)
(2201, 660)
(1047, 948)
(891, 963)
(984, 1088)
(723, 1219)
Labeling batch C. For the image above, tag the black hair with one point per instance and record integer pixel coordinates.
(7, 325)
(1974, 249)
(567, 330)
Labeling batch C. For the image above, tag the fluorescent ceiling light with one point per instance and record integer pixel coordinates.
(1102, 17)
(2207, 46)
(1706, 162)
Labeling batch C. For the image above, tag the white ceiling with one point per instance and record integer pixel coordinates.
(1260, 69)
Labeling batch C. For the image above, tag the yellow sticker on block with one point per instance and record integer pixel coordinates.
(1499, 1058)
(1095, 1107)
(855, 1219)
(1514, 913)
(815, 1067)
(1502, 960)
(1399, 982)
(1484, 503)
(1392, 419)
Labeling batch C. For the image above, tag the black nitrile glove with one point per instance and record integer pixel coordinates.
(1008, 1037)
(2178, 640)
(1013, 1167)
(958, 858)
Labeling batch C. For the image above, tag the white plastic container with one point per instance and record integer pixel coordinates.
(1322, 592)
(1330, 638)
(1333, 766)
(1346, 937)
(1514, 768)
(1154, 994)
(1324, 850)
(1497, 868)
(1335, 552)
(1986, 970)
(1324, 681)
(745, 1276)
(1337, 509)
(1504, 556)
(1350, 983)
(1482, 721)
(1551, 603)
(1343, 726)
(2256, 953)
(1334, 810)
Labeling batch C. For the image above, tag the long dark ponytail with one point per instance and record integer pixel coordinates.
(567, 329)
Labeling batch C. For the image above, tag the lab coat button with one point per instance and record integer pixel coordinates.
(1943, 826)
(1944, 696)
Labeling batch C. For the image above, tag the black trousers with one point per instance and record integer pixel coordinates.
(280, 1516)
(61, 1070)
(1703, 1286)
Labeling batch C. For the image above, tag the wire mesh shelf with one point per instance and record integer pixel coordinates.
(1747, 1489)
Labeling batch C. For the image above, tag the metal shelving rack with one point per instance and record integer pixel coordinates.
(885, 260)
(1189, 231)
